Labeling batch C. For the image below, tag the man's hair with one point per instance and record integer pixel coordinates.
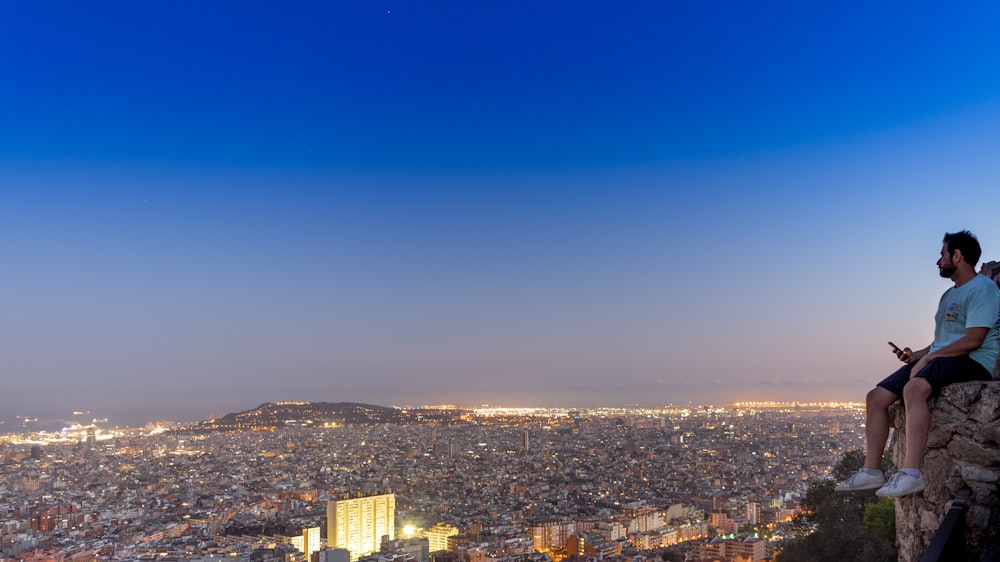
(965, 242)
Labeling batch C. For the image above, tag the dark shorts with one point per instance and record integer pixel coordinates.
(939, 372)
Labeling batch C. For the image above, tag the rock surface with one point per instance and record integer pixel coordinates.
(963, 451)
(991, 269)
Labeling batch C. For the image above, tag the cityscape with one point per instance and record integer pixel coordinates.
(471, 485)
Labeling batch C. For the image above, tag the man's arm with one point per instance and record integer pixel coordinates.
(971, 341)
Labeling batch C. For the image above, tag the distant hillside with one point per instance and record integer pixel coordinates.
(322, 414)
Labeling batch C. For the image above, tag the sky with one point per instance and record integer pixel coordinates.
(205, 206)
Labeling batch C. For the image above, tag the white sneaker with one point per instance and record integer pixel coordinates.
(901, 484)
(859, 481)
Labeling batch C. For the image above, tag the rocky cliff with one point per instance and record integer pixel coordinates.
(963, 451)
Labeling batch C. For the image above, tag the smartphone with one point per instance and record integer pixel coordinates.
(895, 348)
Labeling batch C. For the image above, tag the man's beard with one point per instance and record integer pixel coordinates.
(947, 271)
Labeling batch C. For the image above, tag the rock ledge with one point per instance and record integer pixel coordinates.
(963, 451)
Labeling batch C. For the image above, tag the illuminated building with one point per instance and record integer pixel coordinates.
(308, 543)
(437, 536)
(588, 543)
(576, 545)
(551, 534)
(753, 513)
(723, 523)
(747, 549)
(358, 524)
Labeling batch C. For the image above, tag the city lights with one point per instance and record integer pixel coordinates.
(611, 478)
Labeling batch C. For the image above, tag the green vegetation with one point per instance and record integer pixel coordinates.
(847, 526)
(880, 520)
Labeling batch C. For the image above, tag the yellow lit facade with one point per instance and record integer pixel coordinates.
(358, 524)
(308, 543)
(437, 536)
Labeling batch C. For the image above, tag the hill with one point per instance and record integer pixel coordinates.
(271, 415)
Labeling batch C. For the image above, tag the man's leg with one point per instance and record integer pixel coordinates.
(908, 480)
(877, 424)
(877, 404)
(918, 420)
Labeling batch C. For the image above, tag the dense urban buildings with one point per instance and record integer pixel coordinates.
(487, 486)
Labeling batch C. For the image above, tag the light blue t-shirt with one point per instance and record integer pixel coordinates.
(973, 305)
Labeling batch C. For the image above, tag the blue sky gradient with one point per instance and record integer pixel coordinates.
(205, 207)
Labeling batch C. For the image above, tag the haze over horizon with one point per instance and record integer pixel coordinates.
(208, 207)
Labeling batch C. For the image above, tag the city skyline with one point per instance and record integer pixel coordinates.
(82, 425)
(475, 485)
(567, 205)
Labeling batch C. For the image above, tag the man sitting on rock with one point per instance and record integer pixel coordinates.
(965, 348)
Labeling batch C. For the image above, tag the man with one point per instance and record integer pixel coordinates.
(965, 348)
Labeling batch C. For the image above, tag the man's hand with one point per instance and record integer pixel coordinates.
(916, 358)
